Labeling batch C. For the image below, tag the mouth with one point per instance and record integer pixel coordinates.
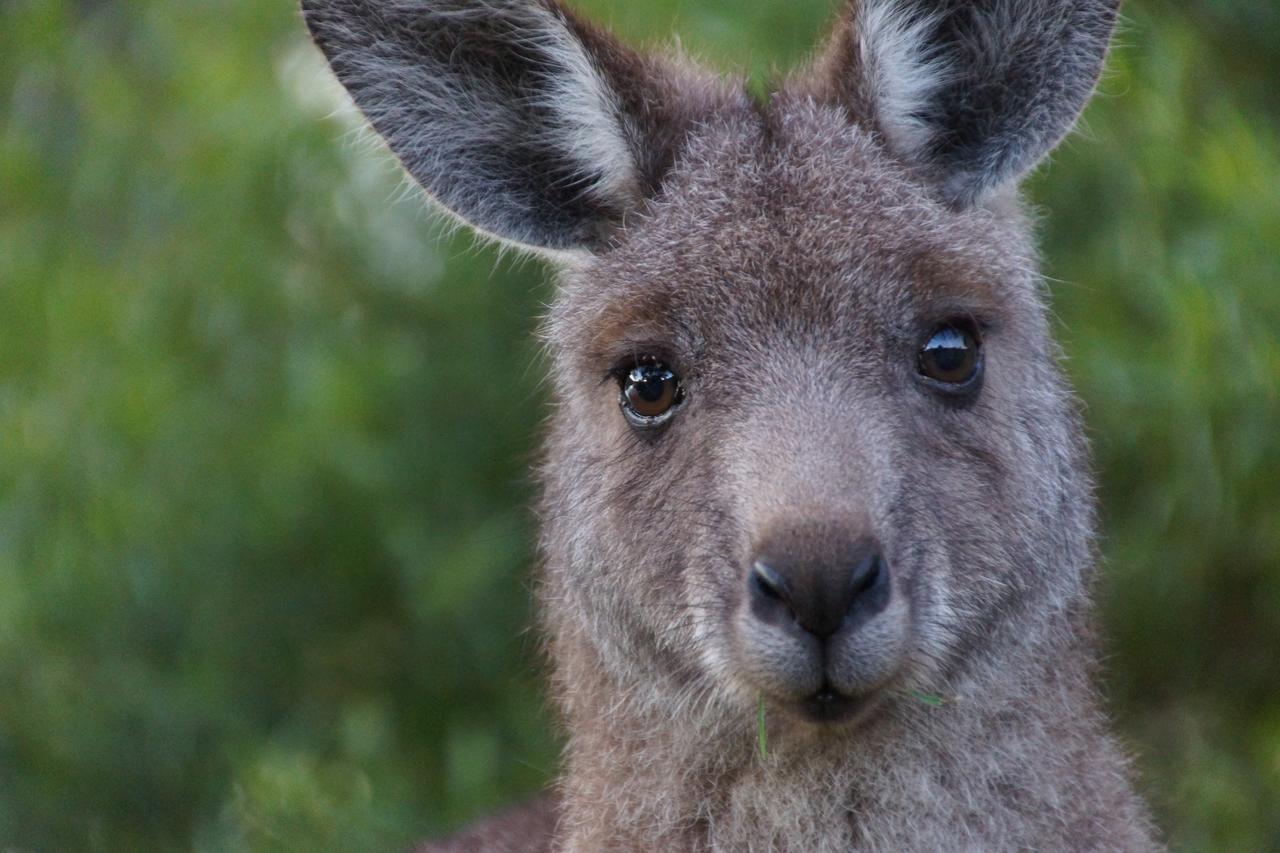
(828, 705)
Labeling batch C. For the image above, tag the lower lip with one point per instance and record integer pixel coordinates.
(827, 707)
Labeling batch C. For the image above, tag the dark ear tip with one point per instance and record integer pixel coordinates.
(337, 6)
(321, 12)
(315, 14)
(314, 8)
(337, 24)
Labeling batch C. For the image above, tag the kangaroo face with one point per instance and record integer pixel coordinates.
(796, 405)
(808, 440)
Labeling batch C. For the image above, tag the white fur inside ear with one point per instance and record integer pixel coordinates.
(495, 107)
(588, 124)
(903, 68)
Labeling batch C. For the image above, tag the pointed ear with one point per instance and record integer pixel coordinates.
(520, 119)
(975, 92)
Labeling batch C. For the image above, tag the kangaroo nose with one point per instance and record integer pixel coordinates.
(819, 596)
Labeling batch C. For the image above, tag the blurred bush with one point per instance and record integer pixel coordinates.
(264, 431)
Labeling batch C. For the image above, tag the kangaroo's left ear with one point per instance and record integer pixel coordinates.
(974, 92)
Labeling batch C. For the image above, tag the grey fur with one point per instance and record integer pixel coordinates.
(997, 83)
(787, 259)
(524, 122)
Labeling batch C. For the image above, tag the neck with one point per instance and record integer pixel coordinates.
(1016, 750)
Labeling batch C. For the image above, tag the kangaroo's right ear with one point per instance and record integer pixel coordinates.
(520, 119)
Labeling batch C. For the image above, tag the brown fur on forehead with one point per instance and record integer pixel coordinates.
(792, 215)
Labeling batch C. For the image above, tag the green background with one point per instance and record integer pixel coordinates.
(265, 431)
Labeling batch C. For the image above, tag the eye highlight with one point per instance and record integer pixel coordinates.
(950, 359)
(650, 393)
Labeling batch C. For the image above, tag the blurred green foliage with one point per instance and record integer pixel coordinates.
(265, 429)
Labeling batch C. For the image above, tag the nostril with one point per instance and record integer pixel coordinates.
(768, 583)
(868, 589)
(865, 576)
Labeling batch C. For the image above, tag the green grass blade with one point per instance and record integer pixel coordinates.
(928, 698)
(761, 737)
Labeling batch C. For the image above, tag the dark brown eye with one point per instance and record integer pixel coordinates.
(950, 357)
(649, 392)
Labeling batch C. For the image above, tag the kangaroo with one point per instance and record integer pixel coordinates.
(816, 518)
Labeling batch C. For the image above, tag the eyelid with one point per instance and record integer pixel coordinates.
(628, 354)
(948, 328)
(621, 371)
(977, 320)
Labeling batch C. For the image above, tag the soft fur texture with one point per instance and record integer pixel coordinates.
(787, 259)
(523, 121)
(974, 92)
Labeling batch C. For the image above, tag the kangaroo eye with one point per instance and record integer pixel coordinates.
(650, 392)
(951, 358)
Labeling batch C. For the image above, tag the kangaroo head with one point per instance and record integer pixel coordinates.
(809, 442)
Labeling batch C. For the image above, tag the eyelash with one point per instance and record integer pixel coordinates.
(639, 356)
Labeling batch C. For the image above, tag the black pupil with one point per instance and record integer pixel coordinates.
(649, 382)
(949, 352)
